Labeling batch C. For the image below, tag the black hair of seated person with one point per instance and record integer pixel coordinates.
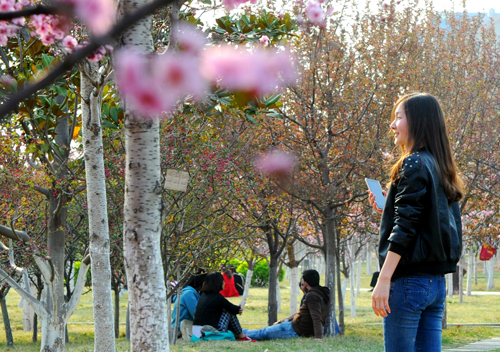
(311, 277)
(213, 283)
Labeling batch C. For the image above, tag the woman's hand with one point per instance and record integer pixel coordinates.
(373, 203)
(241, 311)
(380, 297)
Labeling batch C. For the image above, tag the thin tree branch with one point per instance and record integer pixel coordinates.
(60, 9)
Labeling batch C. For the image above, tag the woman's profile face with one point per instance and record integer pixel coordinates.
(400, 126)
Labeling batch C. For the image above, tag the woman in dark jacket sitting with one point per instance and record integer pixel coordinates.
(214, 310)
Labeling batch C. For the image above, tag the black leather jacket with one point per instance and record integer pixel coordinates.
(418, 223)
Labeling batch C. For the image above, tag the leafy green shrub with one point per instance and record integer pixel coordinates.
(260, 274)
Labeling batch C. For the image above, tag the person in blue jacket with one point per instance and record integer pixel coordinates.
(190, 295)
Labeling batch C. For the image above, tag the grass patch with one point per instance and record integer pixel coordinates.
(363, 332)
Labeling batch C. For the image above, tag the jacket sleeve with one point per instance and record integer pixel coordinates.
(313, 302)
(231, 308)
(408, 204)
(191, 301)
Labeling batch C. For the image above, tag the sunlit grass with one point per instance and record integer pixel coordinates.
(363, 332)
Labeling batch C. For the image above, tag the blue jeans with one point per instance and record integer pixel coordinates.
(415, 321)
(278, 331)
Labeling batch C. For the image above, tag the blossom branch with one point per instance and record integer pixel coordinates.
(36, 10)
(72, 59)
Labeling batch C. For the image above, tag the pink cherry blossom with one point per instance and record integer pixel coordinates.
(275, 163)
(259, 72)
(315, 13)
(231, 4)
(179, 74)
(69, 43)
(98, 15)
(154, 86)
(264, 40)
(7, 5)
(189, 39)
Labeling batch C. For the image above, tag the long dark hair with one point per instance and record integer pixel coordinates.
(213, 283)
(427, 128)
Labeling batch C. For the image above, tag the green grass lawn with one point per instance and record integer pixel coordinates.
(363, 332)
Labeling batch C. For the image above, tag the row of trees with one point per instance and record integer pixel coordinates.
(333, 122)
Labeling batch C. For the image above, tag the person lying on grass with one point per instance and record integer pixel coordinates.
(309, 320)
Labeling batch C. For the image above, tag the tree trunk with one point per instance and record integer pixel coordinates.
(248, 280)
(142, 212)
(117, 312)
(352, 277)
(104, 339)
(5, 316)
(490, 276)
(474, 256)
(147, 297)
(341, 293)
(127, 324)
(34, 337)
(358, 278)
(272, 304)
(28, 312)
(461, 279)
(470, 270)
(369, 260)
(278, 293)
(53, 335)
(330, 242)
(449, 282)
(294, 289)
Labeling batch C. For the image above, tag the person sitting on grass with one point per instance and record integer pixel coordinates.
(309, 320)
(189, 300)
(215, 310)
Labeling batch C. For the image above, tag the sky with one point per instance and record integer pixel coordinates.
(471, 5)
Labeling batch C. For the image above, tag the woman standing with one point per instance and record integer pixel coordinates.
(421, 229)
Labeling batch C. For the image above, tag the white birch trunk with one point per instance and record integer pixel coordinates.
(470, 269)
(369, 260)
(28, 312)
(461, 279)
(352, 277)
(344, 289)
(294, 290)
(142, 229)
(449, 281)
(104, 335)
(490, 277)
(485, 270)
(474, 256)
(358, 279)
(248, 280)
(142, 212)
